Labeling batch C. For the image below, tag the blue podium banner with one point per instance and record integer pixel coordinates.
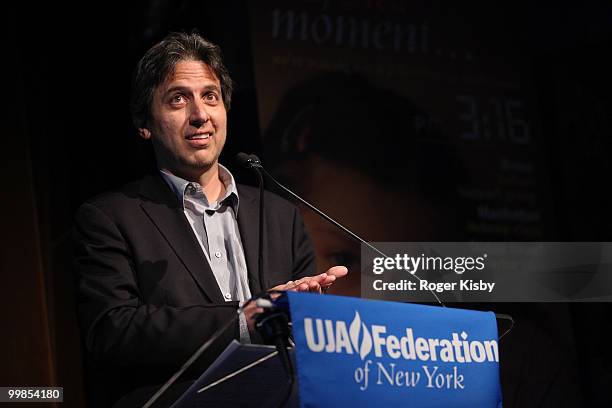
(365, 353)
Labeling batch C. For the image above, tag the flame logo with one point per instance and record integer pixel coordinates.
(366, 339)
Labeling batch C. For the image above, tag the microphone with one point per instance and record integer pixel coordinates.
(249, 161)
(253, 162)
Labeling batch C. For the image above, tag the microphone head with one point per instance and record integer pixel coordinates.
(249, 161)
(254, 159)
(243, 159)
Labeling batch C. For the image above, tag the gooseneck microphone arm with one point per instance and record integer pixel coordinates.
(273, 326)
(252, 161)
(255, 160)
(249, 162)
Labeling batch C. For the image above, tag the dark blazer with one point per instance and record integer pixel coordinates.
(147, 298)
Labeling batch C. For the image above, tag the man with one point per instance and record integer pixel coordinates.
(163, 263)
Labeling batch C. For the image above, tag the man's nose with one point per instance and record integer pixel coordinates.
(199, 114)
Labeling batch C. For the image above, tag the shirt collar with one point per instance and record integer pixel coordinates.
(179, 185)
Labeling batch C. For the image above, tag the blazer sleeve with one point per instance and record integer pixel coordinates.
(117, 326)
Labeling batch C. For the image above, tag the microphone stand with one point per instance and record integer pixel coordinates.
(272, 325)
(257, 169)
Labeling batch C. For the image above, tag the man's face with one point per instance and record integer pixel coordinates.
(188, 122)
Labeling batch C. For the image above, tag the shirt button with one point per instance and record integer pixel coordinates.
(228, 296)
(218, 255)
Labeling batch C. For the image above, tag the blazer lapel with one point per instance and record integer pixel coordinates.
(248, 224)
(164, 210)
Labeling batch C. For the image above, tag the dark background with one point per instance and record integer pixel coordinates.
(67, 135)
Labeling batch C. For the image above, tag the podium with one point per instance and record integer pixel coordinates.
(361, 353)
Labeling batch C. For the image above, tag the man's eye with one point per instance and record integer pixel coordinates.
(177, 99)
(211, 97)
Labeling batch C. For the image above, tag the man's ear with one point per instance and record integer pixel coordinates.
(144, 133)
